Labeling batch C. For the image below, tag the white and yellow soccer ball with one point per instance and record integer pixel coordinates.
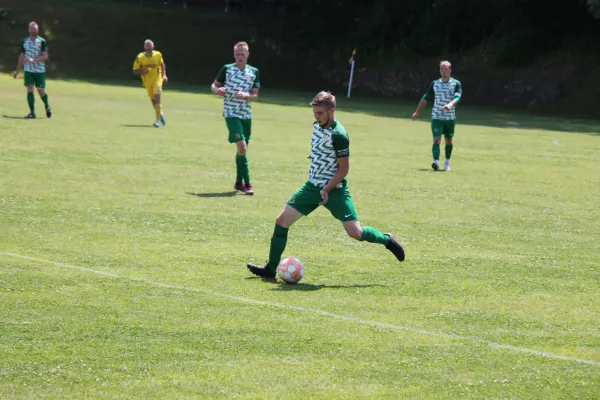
(290, 270)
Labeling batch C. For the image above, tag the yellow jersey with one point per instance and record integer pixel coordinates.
(154, 64)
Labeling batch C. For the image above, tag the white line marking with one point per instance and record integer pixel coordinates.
(361, 321)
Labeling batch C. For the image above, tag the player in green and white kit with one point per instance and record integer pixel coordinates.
(238, 83)
(446, 93)
(326, 186)
(33, 57)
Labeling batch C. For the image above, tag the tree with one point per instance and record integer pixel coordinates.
(594, 6)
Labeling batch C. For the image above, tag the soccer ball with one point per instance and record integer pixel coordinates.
(290, 269)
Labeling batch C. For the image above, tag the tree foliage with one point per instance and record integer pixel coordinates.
(383, 29)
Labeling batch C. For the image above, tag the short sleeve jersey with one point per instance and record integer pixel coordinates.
(33, 48)
(153, 63)
(443, 93)
(236, 80)
(327, 145)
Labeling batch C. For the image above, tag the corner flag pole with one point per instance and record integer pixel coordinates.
(351, 61)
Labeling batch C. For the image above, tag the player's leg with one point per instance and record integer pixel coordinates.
(150, 91)
(245, 169)
(448, 136)
(303, 202)
(40, 83)
(341, 206)
(29, 80)
(436, 130)
(157, 96)
(236, 135)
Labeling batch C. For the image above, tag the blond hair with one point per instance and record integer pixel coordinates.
(446, 62)
(324, 98)
(240, 45)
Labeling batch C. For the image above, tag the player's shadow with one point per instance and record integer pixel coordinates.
(308, 287)
(214, 194)
(429, 170)
(12, 117)
(137, 126)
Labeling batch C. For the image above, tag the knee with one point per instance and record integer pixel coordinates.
(437, 140)
(242, 148)
(282, 221)
(354, 233)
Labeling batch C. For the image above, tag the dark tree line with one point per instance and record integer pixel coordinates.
(515, 30)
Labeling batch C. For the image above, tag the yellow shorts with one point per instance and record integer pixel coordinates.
(152, 89)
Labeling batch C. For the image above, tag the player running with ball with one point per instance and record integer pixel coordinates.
(326, 186)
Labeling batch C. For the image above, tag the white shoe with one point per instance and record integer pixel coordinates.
(435, 165)
(447, 165)
(156, 124)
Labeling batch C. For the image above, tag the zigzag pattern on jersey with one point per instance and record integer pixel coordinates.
(237, 81)
(33, 49)
(444, 94)
(323, 160)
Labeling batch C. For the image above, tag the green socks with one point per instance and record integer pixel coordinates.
(45, 100)
(31, 102)
(280, 235)
(448, 151)
(243, 173)
(278, 243)
(372, 235)
(435, 149)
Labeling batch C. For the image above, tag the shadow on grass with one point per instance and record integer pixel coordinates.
(307, 287)
(467, 114)
(12, 117)
(137, 126)
(215, 194)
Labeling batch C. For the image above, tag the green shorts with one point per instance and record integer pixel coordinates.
(37, 79)
(239, 129)
(340, 204)
(443, 127)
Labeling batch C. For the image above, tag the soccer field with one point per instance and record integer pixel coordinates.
(123, 251)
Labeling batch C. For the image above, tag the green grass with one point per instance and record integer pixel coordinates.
(502, 255)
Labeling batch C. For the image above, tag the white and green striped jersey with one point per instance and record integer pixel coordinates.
(236, 80)
(327, 145)
(443, 93)
(34, 49)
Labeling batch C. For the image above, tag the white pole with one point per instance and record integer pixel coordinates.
(351, 72)
(350, 81)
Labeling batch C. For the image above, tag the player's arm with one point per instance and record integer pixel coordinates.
(428, 95)
(457, 97)
(42, 58)
(137, 68)
(253, 95)
(343, 168)
(163, 66)
(341, 145)
(217, 85)
(44, 54)
(20, 61)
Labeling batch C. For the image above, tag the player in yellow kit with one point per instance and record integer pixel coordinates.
(150, 65)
